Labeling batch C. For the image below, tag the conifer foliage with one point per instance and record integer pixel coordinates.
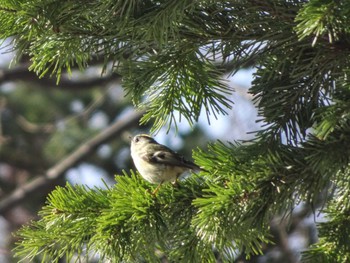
(172, 55)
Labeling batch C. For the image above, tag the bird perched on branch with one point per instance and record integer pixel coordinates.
(157, 163)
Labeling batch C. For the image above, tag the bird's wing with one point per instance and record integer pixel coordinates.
(164, 155)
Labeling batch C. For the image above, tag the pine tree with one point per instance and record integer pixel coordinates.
(172, 55)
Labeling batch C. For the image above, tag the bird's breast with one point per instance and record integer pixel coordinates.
(157, 173)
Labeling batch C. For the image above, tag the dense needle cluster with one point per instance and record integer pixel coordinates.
(172, 55)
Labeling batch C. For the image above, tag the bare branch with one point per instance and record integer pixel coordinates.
(21, 73)
(73, 159)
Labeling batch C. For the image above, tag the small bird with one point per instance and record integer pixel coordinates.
(157, 163)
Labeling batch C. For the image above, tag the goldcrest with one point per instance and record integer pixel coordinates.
(157, 163)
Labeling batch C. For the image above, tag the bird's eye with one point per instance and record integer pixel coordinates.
(137, 139)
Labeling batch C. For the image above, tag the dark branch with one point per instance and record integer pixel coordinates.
(5, 9)
(54, 173)
(21, 73)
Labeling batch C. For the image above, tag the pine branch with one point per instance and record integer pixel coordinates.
(301, 51)
(333, 244)
(186, 89)
(228, 207)
(149, 32)
(71, 160)
(125, 222)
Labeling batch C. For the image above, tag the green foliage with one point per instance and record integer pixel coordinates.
(123, 223)
(68, 221)
(334, 245)
(167, 52)
(141, 38)
(228, 208)
(182, 82)
(324, 19)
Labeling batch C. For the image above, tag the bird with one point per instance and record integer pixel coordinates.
(157, 163)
